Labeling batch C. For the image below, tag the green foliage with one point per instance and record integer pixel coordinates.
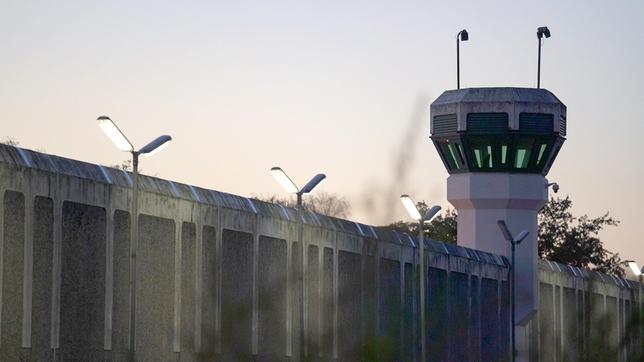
(572, 240)
(442, 227)
(319, 202)
(563, 237)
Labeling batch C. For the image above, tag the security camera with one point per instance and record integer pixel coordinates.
(555, 186)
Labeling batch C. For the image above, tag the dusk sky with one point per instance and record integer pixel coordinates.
(337, 87)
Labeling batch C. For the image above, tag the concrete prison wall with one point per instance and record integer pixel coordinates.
(585, 316)
(222, 277)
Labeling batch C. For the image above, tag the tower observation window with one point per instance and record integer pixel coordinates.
(488, 145)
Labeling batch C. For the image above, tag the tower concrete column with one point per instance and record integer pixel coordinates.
(481, 199)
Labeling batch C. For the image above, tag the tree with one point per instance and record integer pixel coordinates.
(320, 202)
(563, 238)
(442, 227)
(572, 240)
(124, 165)
(10, 141)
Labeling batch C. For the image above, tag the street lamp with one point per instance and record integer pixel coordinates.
(122, 143)
(638, 272)
(633, 265)
(409, 205)
(290, 187)
(514, 241)
(282, 178)
(541, 32)
(464, 36)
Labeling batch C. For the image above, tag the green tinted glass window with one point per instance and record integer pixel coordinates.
(453, 154)
(523, 152)
(447, 154)
(477, 158)
(542, 150)
(489, 152)
(483, 152)
(461, 153)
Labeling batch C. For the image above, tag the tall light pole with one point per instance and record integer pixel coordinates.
(541, 32)
(122, 143)
(282, 178)
(514, 241)
(408, 203)
(464, 36)
(638, 272)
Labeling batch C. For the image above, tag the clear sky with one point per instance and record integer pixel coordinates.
(341, 87)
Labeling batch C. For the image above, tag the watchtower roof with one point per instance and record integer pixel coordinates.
(497, 94)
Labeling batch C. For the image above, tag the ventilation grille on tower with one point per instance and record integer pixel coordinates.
(487, 123)
(445, 124)
(562, 125)
(536, 123)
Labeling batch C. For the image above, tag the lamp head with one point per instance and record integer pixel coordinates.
(543, 31)
(313, 183)
(282, 178)
(464, 35)
(114, 133)
(409, 205)
(433, 211)
(155, 146)
(634, 268)
(504, 230)
(522, 235)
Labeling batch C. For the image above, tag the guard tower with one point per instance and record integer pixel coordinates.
(497, 145)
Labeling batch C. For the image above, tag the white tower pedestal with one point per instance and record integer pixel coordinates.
(481, 199)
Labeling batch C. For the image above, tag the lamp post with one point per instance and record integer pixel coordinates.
(409, 205)
(541, 32)
(637, 271)
(514, 241)
(282, 178)
(122, 143)
(464, 36)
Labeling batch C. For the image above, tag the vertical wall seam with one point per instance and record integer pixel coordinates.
(199, 255)
(289, 289)
(320, 314)
(401, 309)
(56, 267)
(335, 294)
(28, 266)
(305, 290)
(377, 279)
(255, 319)
(177, 286)
(109, 274)
(218, 278)
(2, 191)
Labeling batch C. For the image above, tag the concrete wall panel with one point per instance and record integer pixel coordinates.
(272, 297)
(121, 279)
(83, 278)
(236, 294)
(188, 292)
(42, 282)
(12, 275)
(155, 288)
